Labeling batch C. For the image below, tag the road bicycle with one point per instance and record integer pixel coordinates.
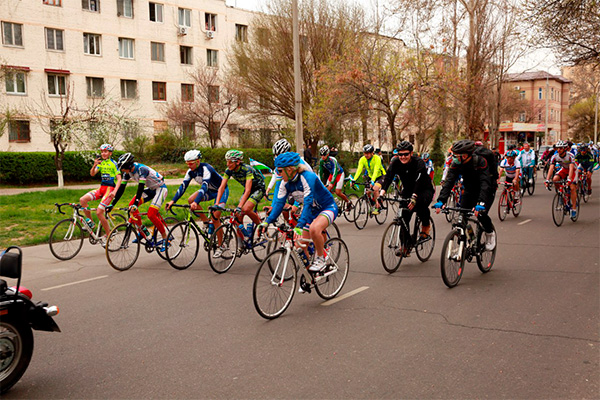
(277, 276)
(454, 199)
(398, 241)
(583, 187)
(561, 203)
(463, 244)
(510, 200)
(66, 238)
(363, 210)
(528, 184)
(347, 212)
(394, 192)
(232, 240)
(125, 240)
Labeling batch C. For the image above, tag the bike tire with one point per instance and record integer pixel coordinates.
(17, 338)
(558, 214)
(584, 192)
(121, 251)
(349, 214)
(451, 203)
(260, 245)
(271, 294)
(424, 248)
(361, 213)
(333, 231)
(383, 211)
(391, 244)
(485, 258)
(184, 247)
(503, 206)
(66, 239)
(169, 221)
(452, 260)
(531, 186)
(224, 262)
(337, 259)
(118, 219)
(517, 206)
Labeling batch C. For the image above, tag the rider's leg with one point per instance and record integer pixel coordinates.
(316, 227)
(90, 196)
(248, 209)
(202, 216)
(153, 211)
(100, 211)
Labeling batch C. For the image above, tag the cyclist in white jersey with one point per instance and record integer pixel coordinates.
(527, 161)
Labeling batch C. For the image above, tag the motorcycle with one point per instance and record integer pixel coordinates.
(18, 316)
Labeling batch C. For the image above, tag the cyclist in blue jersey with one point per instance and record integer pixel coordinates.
(319, 209)
(585, 165)
(336, 174)
(208, 179)
(111, 181)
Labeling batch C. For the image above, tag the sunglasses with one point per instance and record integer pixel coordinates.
(403, 154)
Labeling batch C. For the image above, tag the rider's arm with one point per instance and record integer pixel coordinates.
(140, 190)
(451, 177)
(119, 193)
(183, 187)
(308, 183)
(222, 188)
(392, 171)
(279, 200)
(206, 177)
(484, 181)
(274, 179)
(378, 169)
(361, 165)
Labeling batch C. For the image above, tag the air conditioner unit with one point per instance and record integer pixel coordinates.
(183, 30)
(210, 34)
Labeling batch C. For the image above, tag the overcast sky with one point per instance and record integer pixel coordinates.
(539, 60)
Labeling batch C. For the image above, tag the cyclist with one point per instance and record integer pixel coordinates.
(479, 191)
(151, 185)
(428, 165)
(416, 184)
(372, 164)
(336, 174)
(209, 180)
(111, 181)
(512, 168)
(585, 165)
(566, 161)
(319, 209)
(527, 160)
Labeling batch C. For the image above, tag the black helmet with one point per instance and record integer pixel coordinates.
(405, 145)
(125, 161)
(368, 148)
(324, 150)
(464, 146)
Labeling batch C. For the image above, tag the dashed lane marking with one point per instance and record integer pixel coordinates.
(524, 222)
(75, 283)
(345, 296)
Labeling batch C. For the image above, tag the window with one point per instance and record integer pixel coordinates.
(126, 48)
(91, 5)
(540, 115)
(128, 89)
(54, 39)
(159, 91)
(522, 117)
(540, 94)
(551, 93)
(188, 130)
(212, 58)
(522, 95)
(12, 34)
(185, 17)
(57, 85)
(91, 44)
(187, 92)
(210, 21)
(185, 54)
(157, 51)
(241, 33)
(57, 3)
(213, 94)
(125, 8)
(18, 131)
(15, 82)
(95, 86)
(156, 12)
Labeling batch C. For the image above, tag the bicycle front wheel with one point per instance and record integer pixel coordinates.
(222, 256)
(169, 221)
(361, 213)
(558, 214)
(451, 203)
(531, 185)
(273, 290)
(424, 246)
(383, 211)
(349, 213)
(517, 205)
(503, 206)
(260, 245)
(485, 258)
(122, 247)
(184, 245)
(453, 258)
(66, 239)
(330, 281)
(583, 189)
(391, 247)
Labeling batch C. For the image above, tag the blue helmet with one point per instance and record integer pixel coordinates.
(288, 159)
(511, 153)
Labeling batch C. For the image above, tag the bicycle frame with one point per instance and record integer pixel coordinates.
(191, 221)
(77, 217)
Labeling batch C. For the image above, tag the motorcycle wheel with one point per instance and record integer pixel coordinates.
(16, 348)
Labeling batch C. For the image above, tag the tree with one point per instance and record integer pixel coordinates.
(581, 120)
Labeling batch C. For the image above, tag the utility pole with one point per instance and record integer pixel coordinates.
(297, 80)
(596, 114)
(546, 123)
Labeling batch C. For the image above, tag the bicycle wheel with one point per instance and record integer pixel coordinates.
(584, 191)
(330, 281)
(503, 206)
(349, 214)
(333, 231)
(169, 221)
(228, 249)
(361, 213)
(485, 258)
(517, 205)
(121, 251)
(424, 247)
(184, 247)
(271, 293)
(383, 211)
(558, 214)
(260, 245)
(391, 247)
(451, 203)
(276, 240)
(66, 239)
(523, 188)
(531, 185)
(452, 259)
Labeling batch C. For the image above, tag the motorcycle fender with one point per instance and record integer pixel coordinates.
(41, 321)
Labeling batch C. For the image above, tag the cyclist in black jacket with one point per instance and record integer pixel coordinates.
(479, 190)
(416, 183)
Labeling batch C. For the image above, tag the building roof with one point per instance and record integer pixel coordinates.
(535, 76)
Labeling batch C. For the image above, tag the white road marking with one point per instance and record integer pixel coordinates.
(524, 222)
(345, 296)
(75, 283)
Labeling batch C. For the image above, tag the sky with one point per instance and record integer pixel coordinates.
(543, 60)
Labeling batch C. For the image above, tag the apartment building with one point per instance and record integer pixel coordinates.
(137, 52)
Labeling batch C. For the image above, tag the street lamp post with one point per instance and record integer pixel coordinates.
(297, 79)
(596, 114)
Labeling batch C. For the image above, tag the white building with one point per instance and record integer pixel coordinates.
(137, 52)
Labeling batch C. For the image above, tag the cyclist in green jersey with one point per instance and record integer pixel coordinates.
(372, 164)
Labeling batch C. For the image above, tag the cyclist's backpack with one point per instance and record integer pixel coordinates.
(491, 159)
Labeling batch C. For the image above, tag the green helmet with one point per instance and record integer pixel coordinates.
(234, 155)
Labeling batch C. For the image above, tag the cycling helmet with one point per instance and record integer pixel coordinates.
(425, 156)
(192, 155)
(395, 151)
(377, 150)
(125, 161)
(234, 155)
(281, 146)
(368, 148)
(289, 159)
(584, 147)
(561, 144)
(511, 153)
(478, 143)
(107, 146)
(324, 150)
(405, 145)
(512, 146)
(464, 146)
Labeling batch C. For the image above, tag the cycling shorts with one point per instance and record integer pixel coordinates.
(256, 196)
(339, 181)
(100, 193)
(330, 212)
(157, 195)
(212, 195)
(563, 173)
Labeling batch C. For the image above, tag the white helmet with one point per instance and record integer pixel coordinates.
(192, 155)
(281, 146)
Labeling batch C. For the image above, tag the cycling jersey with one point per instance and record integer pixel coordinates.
(372, 166)
(563, 161)
(527, 158)
(429, 166)
(510, 170)
(144, 174)
(108, 171)
(586, 161)
(245, 172)
(206, 176)
(413, 174)
(276, 177)
(333, 166)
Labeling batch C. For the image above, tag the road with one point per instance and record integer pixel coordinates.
(527, 329)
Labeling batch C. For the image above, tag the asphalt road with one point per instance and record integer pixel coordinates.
(527, 329)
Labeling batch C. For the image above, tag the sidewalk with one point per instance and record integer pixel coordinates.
(13, 191)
